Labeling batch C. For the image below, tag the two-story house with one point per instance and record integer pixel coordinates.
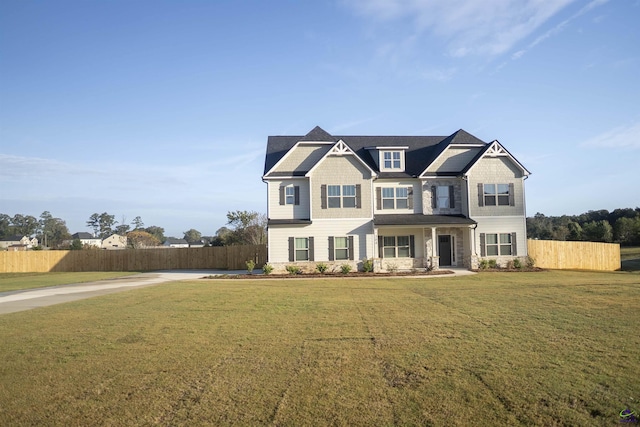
(404, 201)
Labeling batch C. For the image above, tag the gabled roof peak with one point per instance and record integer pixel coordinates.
(318, 134)
(461, 136)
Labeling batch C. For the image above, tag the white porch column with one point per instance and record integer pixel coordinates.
(435, 259)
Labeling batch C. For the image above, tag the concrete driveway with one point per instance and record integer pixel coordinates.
(13, 301)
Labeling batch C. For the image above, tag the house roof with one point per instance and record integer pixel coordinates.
(83, 235)
(420, 219)
(15, 238)
(420, 151)
(175, 241)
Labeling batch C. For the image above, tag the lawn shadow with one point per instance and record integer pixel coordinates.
(630, 264)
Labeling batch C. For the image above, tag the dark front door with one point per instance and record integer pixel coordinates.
(444, 249)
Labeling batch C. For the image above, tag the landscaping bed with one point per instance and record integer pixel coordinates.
(330, 275)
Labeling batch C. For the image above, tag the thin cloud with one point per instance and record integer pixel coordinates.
(469, 27)
(561, 26)
(621, 137)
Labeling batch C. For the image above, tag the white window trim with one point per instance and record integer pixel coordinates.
(396, 246)
(296, 249)
(336, 248)
(393, 169)
(495, 195)
(395, 198)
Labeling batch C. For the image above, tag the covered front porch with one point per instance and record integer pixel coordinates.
(414, 241)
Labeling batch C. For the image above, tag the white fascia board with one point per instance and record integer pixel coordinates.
(344, 149)
(387, 147)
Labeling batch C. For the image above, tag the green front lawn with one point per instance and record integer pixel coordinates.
(19, 281)
(547, 348)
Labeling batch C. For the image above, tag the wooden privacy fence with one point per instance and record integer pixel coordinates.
(575, 255)
(223, 258)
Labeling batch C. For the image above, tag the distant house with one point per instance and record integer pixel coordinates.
(115, 241)
(198, 244)
(87, 239)
(18, 242)
(172, 242)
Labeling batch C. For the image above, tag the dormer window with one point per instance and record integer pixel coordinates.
(392, 160)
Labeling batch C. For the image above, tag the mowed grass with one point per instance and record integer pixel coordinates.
(547, 348)
(20, 281)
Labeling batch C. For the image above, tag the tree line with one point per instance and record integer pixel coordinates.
(620, 226)
(242, 228)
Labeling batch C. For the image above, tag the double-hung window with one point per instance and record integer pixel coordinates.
(394, 198)
(342, 196)
(396, 246)
(302, 249)
(349, 196)
(498, 244)
(442, 195)
(341, 248)
(333, 196)
(290, 195)
(497, 194)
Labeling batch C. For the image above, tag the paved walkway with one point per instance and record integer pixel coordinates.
(13, 301)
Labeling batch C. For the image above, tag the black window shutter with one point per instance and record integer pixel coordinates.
(514, 245)
(434, 197)
(512, 195)
(311, 252)
(480, 195)
(380, 243)
(452, 200)
(412, 246)
(331, 249)
(358, 196)
(323, 196)
(483, 251)
(378, 198)
(282, 195)
(296, 196)
(410, 201)
(351, 248)
(292, 249)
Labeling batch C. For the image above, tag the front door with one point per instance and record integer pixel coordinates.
(444, 249)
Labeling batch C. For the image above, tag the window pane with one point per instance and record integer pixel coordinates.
(387, 155)
(349, 190)
(389, 252)
(389, 241)
(492, 239)
(333, 190)
(387, 204)
(503, 189)
(334, 202)
(505, 249)
(492, 250)
(489, 189)
(403, 240)
(342, 254)
(387, 192)
(302, 243)
(403, 252)
(349, 202)
(402, 204)
(402, 193)
(396, 160)
(302, 255)
(290, 191)
(340, 242)
(505, 238)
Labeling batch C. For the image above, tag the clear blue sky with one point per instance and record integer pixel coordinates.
(161, 109)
